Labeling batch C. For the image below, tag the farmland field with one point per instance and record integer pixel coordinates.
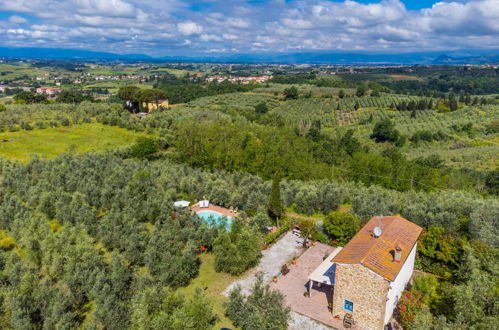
(475, 149)
(113, 85)
(52, 142)
(404, 77)
(176, 72)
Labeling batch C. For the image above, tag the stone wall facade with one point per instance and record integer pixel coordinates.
(365, 289)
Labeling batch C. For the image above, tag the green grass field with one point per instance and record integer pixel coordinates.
(177, 72)
(213, 284)
(11, 71)
(114, 85)
(52, 142)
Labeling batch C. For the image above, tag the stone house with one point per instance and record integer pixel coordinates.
(150, 106)
(372, 270)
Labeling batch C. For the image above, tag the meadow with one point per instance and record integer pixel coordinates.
(17, 71)
(51, 142)
(213, 284)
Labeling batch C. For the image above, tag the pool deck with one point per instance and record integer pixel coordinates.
(226, 212)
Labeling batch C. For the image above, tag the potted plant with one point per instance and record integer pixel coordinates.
(293, 261)
(275, 279)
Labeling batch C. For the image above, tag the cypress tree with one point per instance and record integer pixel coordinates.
(275, 205)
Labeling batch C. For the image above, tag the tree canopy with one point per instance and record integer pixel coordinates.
(262, 309)
(341, 227)
(237, 250)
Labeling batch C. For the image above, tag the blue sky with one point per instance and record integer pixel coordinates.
(186, 27)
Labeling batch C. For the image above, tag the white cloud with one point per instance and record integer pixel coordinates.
(161, 26)
(229, 36)
(110, 8)
(237, 22)
(17, 19)
(210, 37)
(189, 28)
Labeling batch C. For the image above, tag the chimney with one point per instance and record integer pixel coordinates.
(397, 256)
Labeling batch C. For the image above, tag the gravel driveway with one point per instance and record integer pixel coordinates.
(270, 264)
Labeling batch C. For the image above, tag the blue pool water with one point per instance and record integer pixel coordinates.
(215, 218)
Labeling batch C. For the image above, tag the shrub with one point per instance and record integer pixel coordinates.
(261, 108)
(144, 148)
(319, 236)
(261, 221)
(237, 250)
(409, 306)
(291, 93)
(341, 226)
(427, 136)
(384, 131)
(272, 237)
(6, 242)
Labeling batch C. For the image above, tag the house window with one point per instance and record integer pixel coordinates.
(348, 306)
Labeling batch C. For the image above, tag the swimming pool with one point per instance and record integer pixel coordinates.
(214, 218)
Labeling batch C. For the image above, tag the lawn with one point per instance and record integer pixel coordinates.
(52, 142)
(290, 213)
(213, 284)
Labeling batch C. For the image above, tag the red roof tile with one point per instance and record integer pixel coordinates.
(376, 253)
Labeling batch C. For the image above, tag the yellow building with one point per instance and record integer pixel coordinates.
(150, 106)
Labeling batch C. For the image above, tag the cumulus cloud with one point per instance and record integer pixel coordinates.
(105, 8)
(189, 28)
(161, 26)
(17, 19)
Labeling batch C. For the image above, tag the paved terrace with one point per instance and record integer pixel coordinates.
(196, 208)
(295, 284)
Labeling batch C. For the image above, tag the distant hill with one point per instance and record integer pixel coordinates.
(451, 58)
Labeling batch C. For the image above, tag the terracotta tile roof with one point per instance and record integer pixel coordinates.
(376, 253)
